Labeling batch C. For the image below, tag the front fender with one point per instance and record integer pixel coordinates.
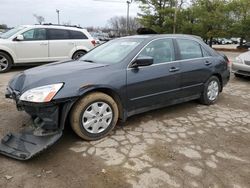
(111, 91)
(9, 51)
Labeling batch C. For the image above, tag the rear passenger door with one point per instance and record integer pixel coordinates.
(60, 45)
(196, 65)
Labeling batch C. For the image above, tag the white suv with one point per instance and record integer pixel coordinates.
(42, 43)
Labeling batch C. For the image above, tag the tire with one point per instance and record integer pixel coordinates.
(78, 54)
(238, 75)
(85, 121)
(206, 98)
(5, 62)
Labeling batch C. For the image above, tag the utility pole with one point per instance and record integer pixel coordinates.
(128, 3)
(58, 16)
(175, 16)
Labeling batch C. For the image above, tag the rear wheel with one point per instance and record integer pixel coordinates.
(5, 62)
(94, 116)
(78, 55)
(211, 91)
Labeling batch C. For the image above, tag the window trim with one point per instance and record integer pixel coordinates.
(71, 36)
(179, 50)
(175, 56)
(177, 53)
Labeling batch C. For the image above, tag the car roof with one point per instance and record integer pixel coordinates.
(155, 36)
(55, 27)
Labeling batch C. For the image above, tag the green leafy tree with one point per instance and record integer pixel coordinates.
(240, 16)
(211, 18)
(157, 14)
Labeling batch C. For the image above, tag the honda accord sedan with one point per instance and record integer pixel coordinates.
(114, 81)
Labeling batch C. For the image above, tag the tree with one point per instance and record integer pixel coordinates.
(119, 25)
(160, 15)
(211, 18)
(39, 19)
(3, 26)
(240, 16)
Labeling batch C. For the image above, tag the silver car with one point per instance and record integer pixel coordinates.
(241, 67)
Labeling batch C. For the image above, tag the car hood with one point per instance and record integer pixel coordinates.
(59, 72)
(245, 56)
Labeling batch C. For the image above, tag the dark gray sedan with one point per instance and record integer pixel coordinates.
(114, 81)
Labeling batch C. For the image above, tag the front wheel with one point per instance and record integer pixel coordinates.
(211, 91)
(5, 62)
(94, 116)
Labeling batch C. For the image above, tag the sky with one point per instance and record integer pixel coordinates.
(83, 12)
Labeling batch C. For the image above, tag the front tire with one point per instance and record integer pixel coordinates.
(5, 62)
(94, 116)
(211, 91)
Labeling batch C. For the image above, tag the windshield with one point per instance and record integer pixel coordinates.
(11, 32)
(112, 52)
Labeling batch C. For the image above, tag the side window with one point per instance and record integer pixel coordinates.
(58, 34)
(205, 53)
(161, 50)
(189, 49)
(77, 35)
(34, 34)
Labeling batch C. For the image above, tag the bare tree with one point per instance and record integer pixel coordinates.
(39, 19)
(119, 25)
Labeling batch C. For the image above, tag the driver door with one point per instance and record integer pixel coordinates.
(34, 46)
(155, 85)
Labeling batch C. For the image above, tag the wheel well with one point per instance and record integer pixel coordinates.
(78, 51)
(220, 79)
(112, 94)
(8, 55)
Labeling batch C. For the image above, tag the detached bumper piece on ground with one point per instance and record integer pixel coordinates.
(43, 133)
(25, 145)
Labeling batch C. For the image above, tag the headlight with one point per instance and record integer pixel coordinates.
(239, 60)
(41, 94)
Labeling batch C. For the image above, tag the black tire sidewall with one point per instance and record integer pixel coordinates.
(9, 62)
(97, 135)
(76, 54)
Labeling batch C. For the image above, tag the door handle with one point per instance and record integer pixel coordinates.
(174, 69)
(71, 43)
(208, 63)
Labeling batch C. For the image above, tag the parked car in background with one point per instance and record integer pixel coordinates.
(223, 41)
(241, 67)
(42, 43)
(244, 46)
(237, 40)
(118, 79)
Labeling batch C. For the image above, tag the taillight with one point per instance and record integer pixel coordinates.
(93, 42)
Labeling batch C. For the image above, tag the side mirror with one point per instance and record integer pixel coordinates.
(142, 62)
(19, 38)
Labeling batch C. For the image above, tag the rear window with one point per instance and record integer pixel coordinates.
(77, 35)
(58, 34)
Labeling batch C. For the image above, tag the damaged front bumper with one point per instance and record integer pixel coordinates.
(48, 124)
